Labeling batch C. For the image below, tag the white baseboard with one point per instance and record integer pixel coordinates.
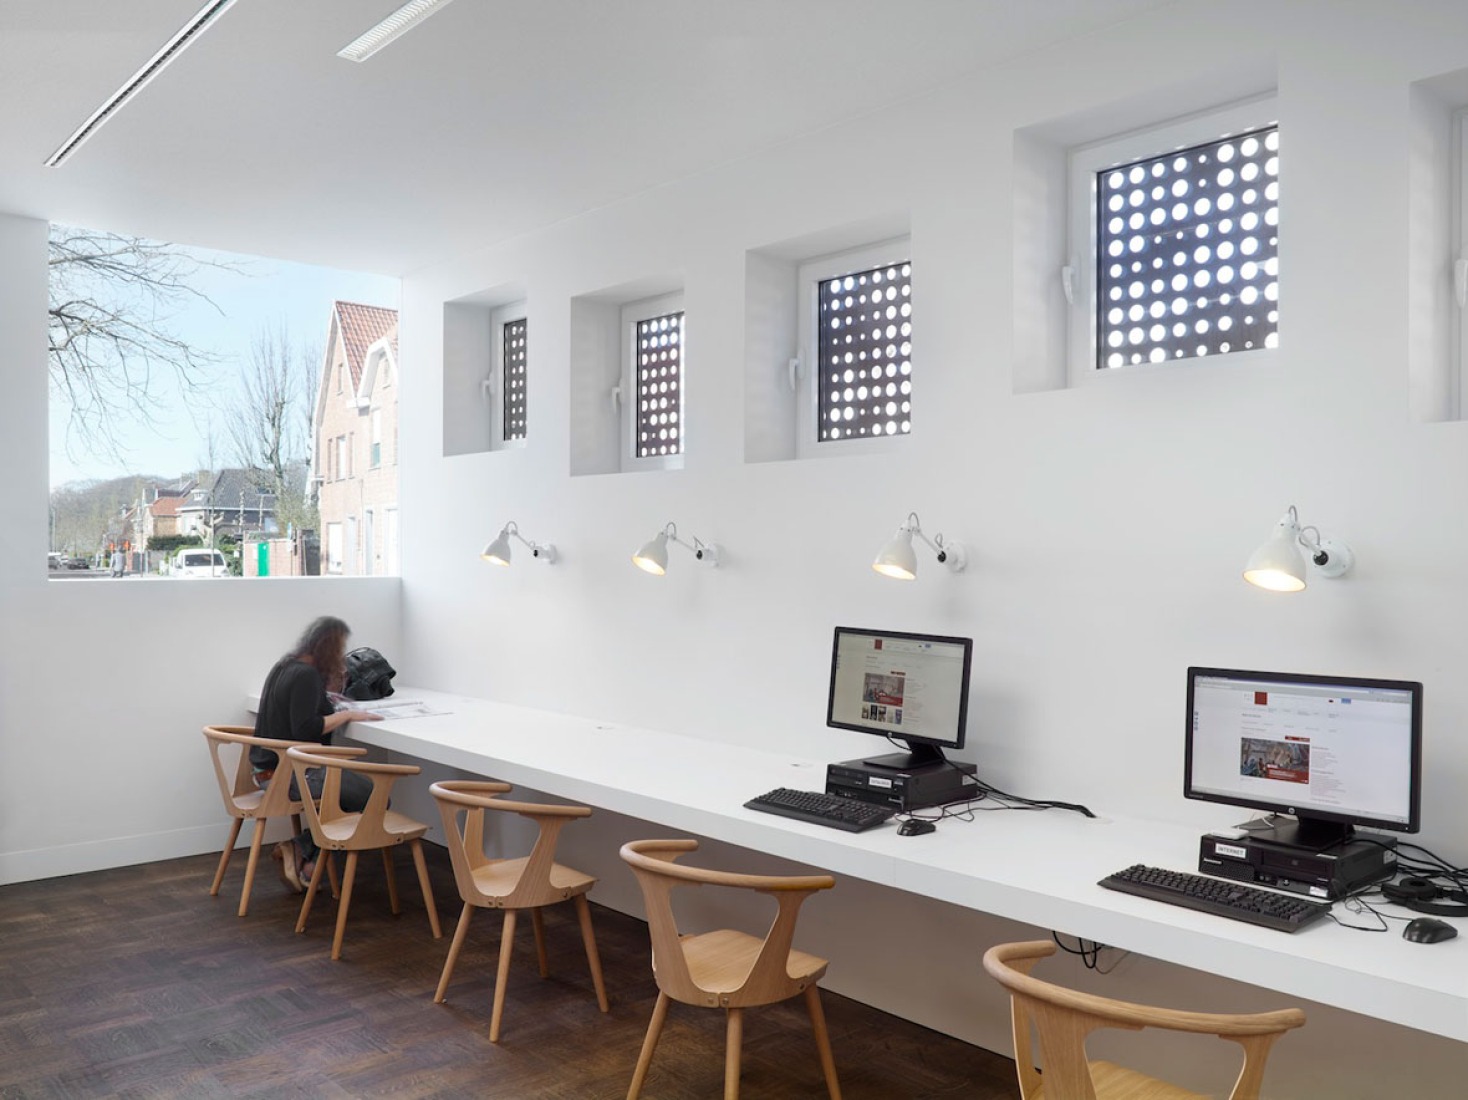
(101, 855)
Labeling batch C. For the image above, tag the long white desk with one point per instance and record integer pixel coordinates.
(1038, 868)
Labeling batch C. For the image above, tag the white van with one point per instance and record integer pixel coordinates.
(191, 561)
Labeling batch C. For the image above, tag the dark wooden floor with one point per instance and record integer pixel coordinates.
(135, 983)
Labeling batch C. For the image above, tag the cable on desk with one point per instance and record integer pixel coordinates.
(1031, 803)
(1090, 956)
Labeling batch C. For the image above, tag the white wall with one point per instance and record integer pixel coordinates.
(105, 684)
(1107, 524)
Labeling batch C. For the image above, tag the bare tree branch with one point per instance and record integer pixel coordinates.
(111, 346)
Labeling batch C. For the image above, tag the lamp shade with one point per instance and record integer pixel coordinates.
(896, 559)
(1278, 565)
(653, 557)
(498, 551)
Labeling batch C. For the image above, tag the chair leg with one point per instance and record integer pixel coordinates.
(649, 1044)
(341, 912)
(234, 834)
(732, 1048)
(331, 875)
(427, 888)
(823, 1040)
(321, 857)
(588, 938)
(537, 921)
(460, 933)
(392, 882)
(253, 862)
(501, 975)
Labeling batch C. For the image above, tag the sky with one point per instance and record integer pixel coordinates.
(286, 297)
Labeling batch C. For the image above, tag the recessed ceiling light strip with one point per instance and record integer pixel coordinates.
(398, 23)
(175, 46)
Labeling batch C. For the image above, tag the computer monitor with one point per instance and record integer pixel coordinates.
(1334, 752)
(908, 688)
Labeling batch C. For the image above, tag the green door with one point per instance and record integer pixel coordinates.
(262, 558)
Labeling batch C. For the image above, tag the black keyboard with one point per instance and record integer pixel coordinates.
(823, 809)
(1218, 896)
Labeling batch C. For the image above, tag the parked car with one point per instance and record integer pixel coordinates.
(55, 560)
(77, 563)
(194, 562)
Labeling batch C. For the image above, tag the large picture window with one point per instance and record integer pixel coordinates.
(193, 405)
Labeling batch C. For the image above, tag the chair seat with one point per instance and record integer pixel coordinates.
(339, 831)
(1114, 1082)
(719, 962)
(498, 878)
(247, 804)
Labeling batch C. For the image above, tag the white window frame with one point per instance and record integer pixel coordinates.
(374, 451)
(632, 313)
(809, 275)
(498, 319)
(1079, 272)
(1459, 375)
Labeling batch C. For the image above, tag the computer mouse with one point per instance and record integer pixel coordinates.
(1428, 930)
(915, 826)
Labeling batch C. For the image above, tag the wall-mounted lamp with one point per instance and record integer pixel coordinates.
(897, 559)
(653, 557)
(1279, 566)
(498, 551)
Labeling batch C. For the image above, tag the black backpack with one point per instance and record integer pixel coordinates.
(369, 676)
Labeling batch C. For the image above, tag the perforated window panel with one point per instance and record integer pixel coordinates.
(515, 360)
(865, 352)
(1188, 252)
(659, 385)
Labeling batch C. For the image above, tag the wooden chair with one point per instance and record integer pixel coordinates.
(726, 969)
(1062, 1018)
(375, 827)
(245, 800)
(531, 882)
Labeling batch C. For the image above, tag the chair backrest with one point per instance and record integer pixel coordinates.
(243, 797)
(331, 826)
(1062, 1018)
(462, 805)
(768, 980)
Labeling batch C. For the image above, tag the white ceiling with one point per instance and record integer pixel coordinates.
(489, 119)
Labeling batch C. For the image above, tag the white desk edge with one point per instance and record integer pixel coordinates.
(1036, 868)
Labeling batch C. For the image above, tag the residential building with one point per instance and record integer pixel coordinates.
(355, 451)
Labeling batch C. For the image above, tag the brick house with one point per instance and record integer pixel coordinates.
(355, 445)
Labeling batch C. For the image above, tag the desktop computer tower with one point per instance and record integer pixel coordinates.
(1329, 874)
(903, 789)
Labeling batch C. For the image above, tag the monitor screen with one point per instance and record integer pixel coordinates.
(911, 688)
(1333, 751)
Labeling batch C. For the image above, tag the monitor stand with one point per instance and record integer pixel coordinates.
(918, 757)
(1309, 834)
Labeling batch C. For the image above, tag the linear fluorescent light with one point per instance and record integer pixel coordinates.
(399, 22)
(134, 84)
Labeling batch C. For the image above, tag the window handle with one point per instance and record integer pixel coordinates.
(616, 399)
(1460, 281)
(486, 388)
(794, 369)
(1068, 282)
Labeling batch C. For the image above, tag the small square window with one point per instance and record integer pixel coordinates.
(864, 354)
(650, 393)
(1187, 252)
(659, 369)
(515, 357)
(1175, 242)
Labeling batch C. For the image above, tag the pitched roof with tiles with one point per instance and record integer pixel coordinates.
(165, 506)
(360, 327)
